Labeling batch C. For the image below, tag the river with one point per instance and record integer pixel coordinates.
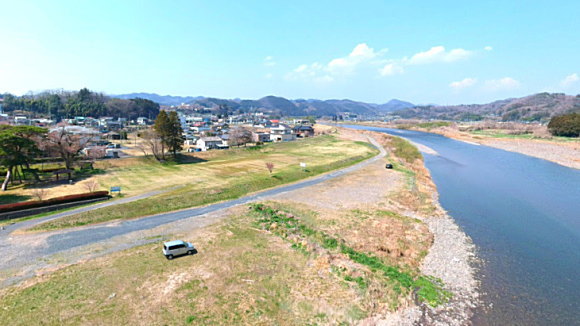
(523, 214)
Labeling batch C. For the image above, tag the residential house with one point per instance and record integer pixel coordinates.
(21, 121)
(282, 132)
(205, 143)
(142, 121)
(260, 137)
(302, 131)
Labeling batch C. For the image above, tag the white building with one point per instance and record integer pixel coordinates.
(282, 132)
(205, 143)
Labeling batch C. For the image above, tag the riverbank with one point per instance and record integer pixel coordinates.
(563, 153)
(566, 153)
(451, 258)
(247, 274)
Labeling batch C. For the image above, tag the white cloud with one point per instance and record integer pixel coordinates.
(268, 76)
(391, 69)
(269, 61)
(570, 80)
(506, 83)
(438, 54)
(465, 83)
(361, 55)
(488, 48)
(362, 58)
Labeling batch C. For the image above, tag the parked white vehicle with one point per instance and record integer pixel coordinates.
(177, 248)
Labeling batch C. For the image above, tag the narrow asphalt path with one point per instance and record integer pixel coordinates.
(30, 223)
(19, 250)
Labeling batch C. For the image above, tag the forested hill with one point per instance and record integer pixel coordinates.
(539, 107)
(60, 105)
(161, 99)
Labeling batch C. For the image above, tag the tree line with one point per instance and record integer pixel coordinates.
(59, 105)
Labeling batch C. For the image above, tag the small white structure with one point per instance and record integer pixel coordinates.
(205, 143)
(21, 121)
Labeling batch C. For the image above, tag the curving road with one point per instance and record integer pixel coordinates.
(23, 254)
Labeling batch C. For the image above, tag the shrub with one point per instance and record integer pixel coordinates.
(52, 201)
(405, 150)
(567, 125)
(40, 193)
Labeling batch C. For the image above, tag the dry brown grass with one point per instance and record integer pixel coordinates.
(138, 175)
(242, 274)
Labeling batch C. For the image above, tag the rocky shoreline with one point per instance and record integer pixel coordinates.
(451, 258)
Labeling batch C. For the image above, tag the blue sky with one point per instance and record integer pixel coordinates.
(443, 52)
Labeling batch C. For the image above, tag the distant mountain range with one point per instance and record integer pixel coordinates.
(161, 99)
(538, 107)
(277, 104)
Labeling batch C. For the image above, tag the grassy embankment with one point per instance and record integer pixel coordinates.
(222, 176)
(425, 125)
(274, 264)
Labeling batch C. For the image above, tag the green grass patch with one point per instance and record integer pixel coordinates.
(405, 150)
(433, 124)
(424, 125)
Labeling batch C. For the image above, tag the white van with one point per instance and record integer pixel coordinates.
(177, 248)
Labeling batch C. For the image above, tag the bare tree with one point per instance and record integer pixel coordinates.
(97, 152)
(65, 144)
(240, 136)
(151, 144)
(39, 193)
(91, 185)
(270, 167)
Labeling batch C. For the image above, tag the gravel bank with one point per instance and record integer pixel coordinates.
(567, 154)
(452, 259)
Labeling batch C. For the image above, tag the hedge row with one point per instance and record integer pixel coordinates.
(52, 201)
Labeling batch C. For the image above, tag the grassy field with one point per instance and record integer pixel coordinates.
(278, 263)
(241, 275)
(253, 268)
(220, 176)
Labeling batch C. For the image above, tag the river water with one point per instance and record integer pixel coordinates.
(523, 215)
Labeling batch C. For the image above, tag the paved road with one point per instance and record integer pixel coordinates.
(19, 251)
(30, 223)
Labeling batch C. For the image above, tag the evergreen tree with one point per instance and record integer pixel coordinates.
(17, 148)
(162, 128)
(175, 134)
